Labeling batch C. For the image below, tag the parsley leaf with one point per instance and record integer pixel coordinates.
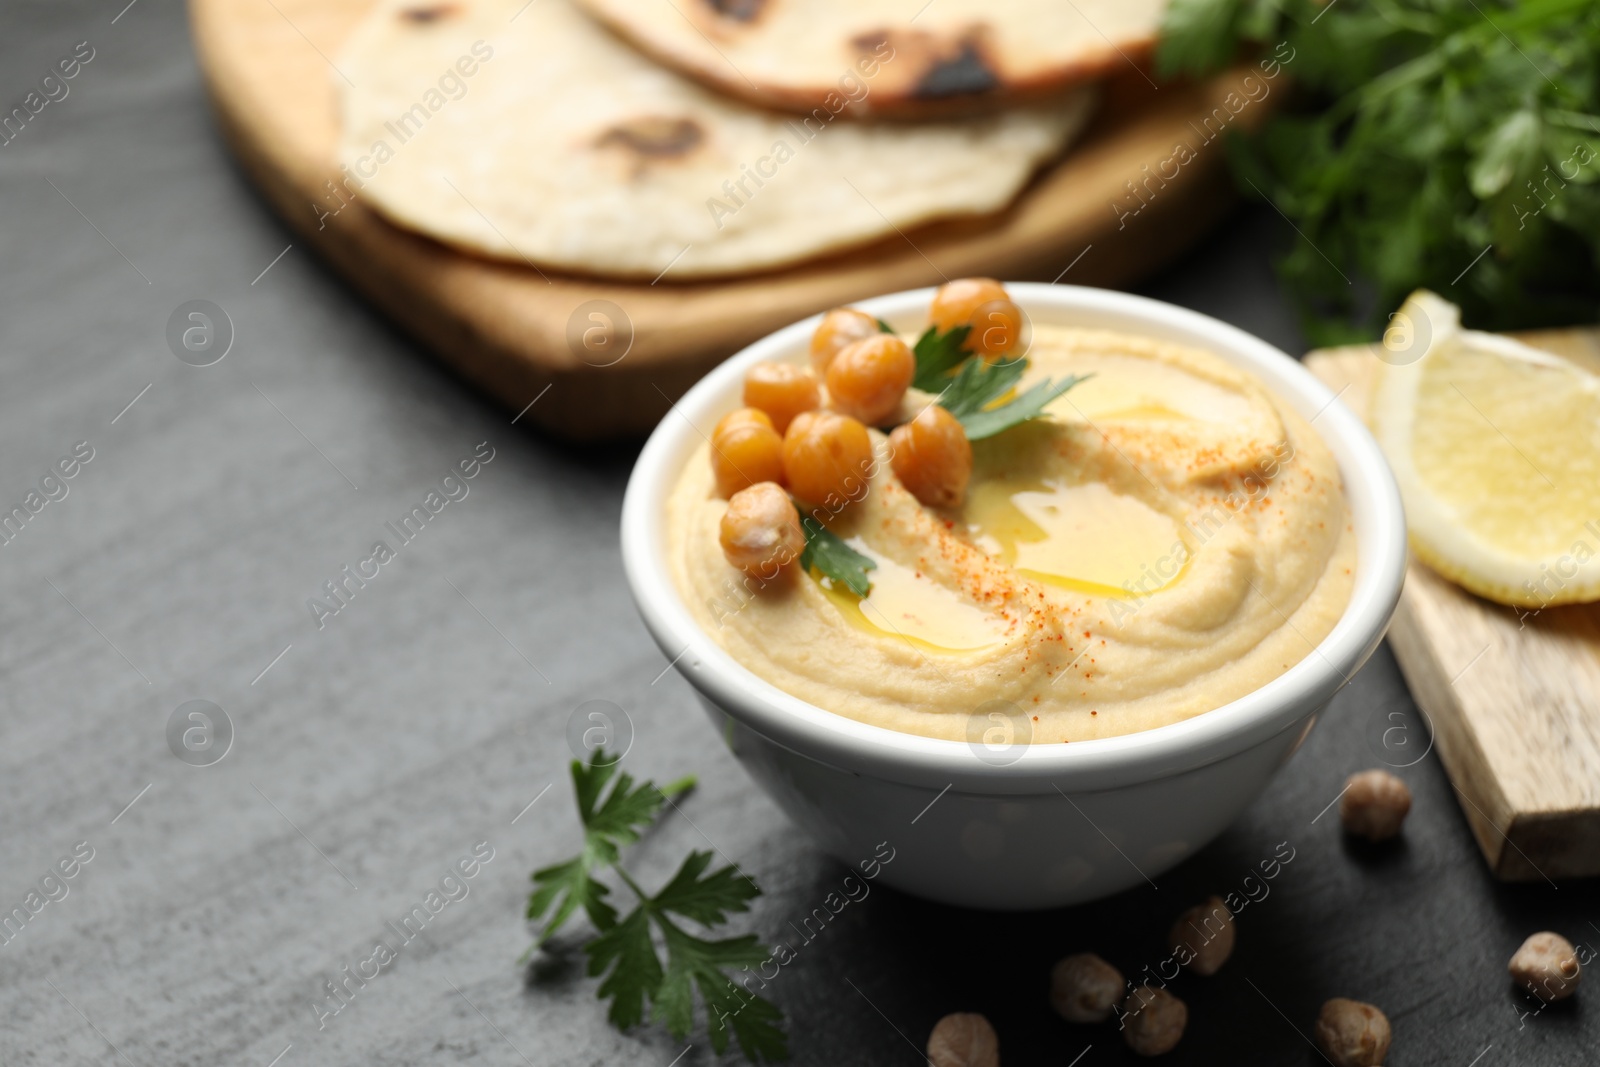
(980, 383)
(937, 355)
(608, 824)
(624, 953)
(1426, 145)
(1028, 404)
(753, 1020)
(708, 900)
(972, 394)
(570, 881)
(626, 949)
(831, 557)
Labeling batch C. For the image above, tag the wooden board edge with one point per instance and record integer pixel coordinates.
(1459, 750)
(1457, 745)
(1568, 844)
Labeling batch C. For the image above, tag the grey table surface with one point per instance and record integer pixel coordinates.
(371, 754)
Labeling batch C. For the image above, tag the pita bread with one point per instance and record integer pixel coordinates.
(935, 57)
(524, 131)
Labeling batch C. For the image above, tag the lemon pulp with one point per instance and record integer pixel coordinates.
(1496, 448)
(1490, 431)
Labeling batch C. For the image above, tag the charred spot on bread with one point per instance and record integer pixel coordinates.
(966, 72)
(426, 13)
(738, 10)
(654, 137)
(948, 64)
(865, 43)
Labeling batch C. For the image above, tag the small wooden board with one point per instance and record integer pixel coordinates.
(505, 327)
(1513, 696)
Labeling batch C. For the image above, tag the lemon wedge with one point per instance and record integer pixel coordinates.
(1496, 447)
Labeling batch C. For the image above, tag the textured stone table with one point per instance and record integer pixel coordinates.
(370, 755)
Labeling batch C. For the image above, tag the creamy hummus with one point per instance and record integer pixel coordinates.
(1170, 540)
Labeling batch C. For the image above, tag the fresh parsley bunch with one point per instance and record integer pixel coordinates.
(1446, 144)
(615, 812)
(971, 388)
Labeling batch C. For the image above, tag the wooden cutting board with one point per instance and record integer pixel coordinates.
(506, 328)
(1513, 697)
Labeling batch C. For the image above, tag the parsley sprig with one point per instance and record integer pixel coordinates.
(830, 556)
(972, 394)
(615, 812)
(974, 389)
(937, 355)
(1447, 146)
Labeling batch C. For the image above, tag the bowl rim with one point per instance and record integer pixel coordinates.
(1284, 703)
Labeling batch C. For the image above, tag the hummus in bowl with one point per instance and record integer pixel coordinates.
(1168, 539)
(1183, 563)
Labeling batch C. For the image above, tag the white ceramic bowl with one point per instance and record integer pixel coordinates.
(1058, 824)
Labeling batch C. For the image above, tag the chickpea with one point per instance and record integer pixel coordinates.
(837, 329)
(1202, 937)
(827, 458)
(1374, 805)
(761, 531)
(867, 379)
(1153, 1020)
(1352, 1034)
(932, 457)
(983, 304)
(964, 1039)
(1084, 988)
(782, 390)
(745, 449)
(1547, 966)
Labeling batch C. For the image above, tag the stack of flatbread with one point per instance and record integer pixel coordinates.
(633, 138)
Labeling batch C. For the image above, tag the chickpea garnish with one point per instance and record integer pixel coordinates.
(782, 390)
(983, 304)
(1153, 1020)
(827, 458)
(1547, 966)
(867, 379)
(1203, 937)
(1084, 988)
(1352, 1034)
(838, 328)
(745, 449)
(964, 1039)
(761, 531)
(932, 457)
(1374, 805)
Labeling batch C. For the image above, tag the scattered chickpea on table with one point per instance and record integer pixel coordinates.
(1374, 805)
(963, 1039)
(1547, 966)
(1352, 1034)
(1202, 938)
(1153, 1021)
(1085, 988)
